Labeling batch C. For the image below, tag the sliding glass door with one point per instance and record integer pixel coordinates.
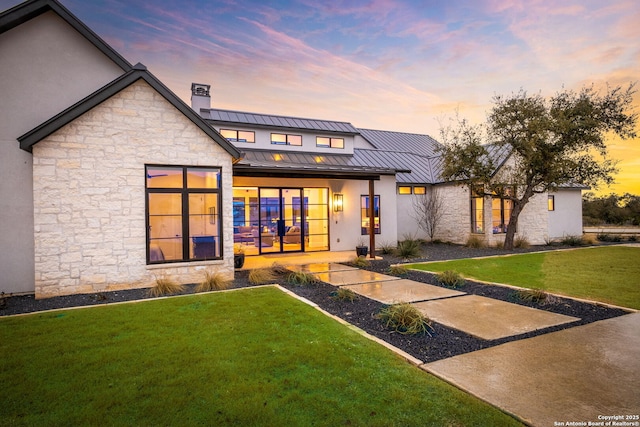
(282, 219)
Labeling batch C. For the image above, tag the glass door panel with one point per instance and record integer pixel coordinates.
(270, 211)
(291, 229)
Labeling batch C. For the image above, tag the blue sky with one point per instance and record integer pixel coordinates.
(381, 64)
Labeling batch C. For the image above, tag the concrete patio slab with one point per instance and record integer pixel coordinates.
(402, 290)
(340, 278)
(488, 318)
(320, 267)
(575, 375)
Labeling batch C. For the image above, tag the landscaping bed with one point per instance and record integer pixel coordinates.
(444, 342)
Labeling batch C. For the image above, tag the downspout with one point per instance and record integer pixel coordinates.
(372, 228)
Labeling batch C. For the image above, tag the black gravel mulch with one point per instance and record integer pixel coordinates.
(444, 342)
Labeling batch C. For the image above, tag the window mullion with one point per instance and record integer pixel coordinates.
(185, 217)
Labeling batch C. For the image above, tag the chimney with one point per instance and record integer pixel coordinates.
(200, 98)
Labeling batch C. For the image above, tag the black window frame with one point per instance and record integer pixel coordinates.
(286, 139)
(184, 191)
(237, 138)
(364, 231)
(331, 142)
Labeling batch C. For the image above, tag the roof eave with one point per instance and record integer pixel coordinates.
(138, 72)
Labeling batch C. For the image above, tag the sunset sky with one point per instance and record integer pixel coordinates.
(382, 64)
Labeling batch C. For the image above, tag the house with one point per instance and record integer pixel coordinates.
(92, 149)
(109, 180)
(319, 177)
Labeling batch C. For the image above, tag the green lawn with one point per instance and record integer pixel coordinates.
(248, 357)
(607, 274)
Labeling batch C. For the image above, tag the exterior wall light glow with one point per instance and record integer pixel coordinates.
(337, 202)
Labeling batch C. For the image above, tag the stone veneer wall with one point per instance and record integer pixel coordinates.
(455, 225)
(89, 194)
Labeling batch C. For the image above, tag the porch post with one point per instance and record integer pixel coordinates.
(372, 226)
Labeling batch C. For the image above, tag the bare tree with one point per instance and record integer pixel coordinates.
(428, 209)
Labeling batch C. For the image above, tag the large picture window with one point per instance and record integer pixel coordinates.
(477, 210)
(501, 212)
(365, 214)
(183, 213)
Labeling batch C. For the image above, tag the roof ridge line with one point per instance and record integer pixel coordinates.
(277, 115)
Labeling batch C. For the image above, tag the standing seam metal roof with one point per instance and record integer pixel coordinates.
(278, 121)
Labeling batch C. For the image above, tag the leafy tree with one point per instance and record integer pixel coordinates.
(545, 143)
(611, 209)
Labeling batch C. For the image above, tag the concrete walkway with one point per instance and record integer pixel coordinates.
(482, 317)
(578, 375)
(574, 375)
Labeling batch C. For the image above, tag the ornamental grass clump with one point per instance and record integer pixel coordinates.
(475, 242)
(409, 248)
(360, 262)
(398, 270)
(260, 276)
(345, 294)
(213, 281)
(450, 278)
(405, 319)
(165, 286)
(533, 295)
(387, 248)
(279, 269)
(521, 242)
(300, 278)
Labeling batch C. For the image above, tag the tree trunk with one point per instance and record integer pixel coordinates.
(513, 225)
(518, 206)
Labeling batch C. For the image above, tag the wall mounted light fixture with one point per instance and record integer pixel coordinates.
(337, 202)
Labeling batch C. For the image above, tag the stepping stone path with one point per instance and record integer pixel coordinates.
(482, 317)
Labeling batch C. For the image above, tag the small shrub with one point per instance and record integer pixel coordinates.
(345, 294)
(398, 270)
(361, 262)
(387, 248)
(588, 239)
(437, 241)
(548, 241)
(300, 278)
(409, 248)
(406, 319)
(261, 276)
(521, 242)
(450, 278)
(475, 242)
(213, 282)
(498, 245)
(633, 238)
(165, 286)
(572, 241)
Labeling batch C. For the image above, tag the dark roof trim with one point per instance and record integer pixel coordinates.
(28, 10)
(259, 172)
(138, 72)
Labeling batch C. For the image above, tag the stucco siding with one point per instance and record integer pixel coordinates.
(566, 218)
(89, 194)
(46, 66)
